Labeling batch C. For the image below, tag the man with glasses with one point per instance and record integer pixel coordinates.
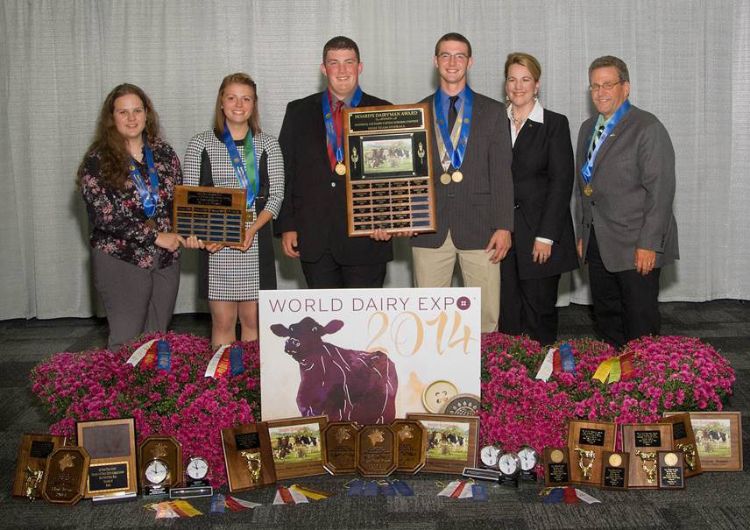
(471, 153)
(626, 228)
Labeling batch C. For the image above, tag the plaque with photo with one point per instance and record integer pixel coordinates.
(644, 441)
(112, 469)
(615, 470)
(451, 441)
(298, 446)
(31, 461)
(248, 456)
(65, 475)
(587, 441)
(718, 439)
(389, 179)
(213, 215)
(341, 447)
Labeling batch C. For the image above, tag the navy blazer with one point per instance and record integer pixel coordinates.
(314, 195)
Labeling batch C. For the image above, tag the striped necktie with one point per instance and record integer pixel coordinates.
(597, 137)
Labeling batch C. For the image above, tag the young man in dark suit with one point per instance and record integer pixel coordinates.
(312, 221)
(474, 189)
(626, 228)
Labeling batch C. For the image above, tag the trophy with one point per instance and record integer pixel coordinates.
(586, 459)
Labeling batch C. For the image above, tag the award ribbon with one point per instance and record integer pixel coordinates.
(455, 154)
(615, 369)
(587, 171)
(566, 356)
(247, 174)
(149, 194)
(334, 140)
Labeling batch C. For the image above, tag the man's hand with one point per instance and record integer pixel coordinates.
(289, 244)
(645, 260)
(541, 252)
(499, 245)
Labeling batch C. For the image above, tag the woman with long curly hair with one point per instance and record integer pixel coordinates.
(127, 179)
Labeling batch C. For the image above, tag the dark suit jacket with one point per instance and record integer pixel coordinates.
(315, 196)
(483, 201)
(634, 186)
(542, 186)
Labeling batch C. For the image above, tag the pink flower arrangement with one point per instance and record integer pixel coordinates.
(670, 373)
(99, 384)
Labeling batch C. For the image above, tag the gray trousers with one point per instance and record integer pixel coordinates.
(136, 300)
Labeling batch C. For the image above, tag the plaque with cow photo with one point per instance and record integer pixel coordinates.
(389, 178)
(451, 441)
(298, 446)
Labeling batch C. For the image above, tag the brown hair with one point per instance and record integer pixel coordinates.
(611, 60)
(340, 43)
(452, 36)
(110, 145)
(240, 78)
(524, 59)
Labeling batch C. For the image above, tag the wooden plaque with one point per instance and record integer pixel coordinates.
(683, 439)
(65, 475)
(644, 441)
(389, 178)
(411, 442)
(31, 462)
(248, 456)
(377, 451)
(556, 467)
(671, 470)
(718, 438)
(111, 446)
(615, 470)
(166, 449)
(341, 447)
(214, 215)
(298, 446)
(451, 441)
(587, 441)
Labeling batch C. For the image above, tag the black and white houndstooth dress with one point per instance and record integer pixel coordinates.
(234, 275)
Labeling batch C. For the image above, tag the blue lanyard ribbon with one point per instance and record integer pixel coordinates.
(456, 154)
(587, 171)
(247, 173)
(149, 194)
(333, 139)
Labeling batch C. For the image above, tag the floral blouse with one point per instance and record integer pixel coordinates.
(116, 217)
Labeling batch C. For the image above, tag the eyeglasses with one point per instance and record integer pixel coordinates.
(459, 57)
(604, 86)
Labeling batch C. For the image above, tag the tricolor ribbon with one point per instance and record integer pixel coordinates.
(145, 353)
(614, 369)
(288, 496)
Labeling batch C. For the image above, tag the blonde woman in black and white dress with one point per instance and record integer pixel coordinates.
(235, 274)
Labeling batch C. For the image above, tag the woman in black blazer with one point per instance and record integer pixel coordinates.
(543, 177)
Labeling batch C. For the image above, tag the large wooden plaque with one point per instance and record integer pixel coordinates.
(683, 439)
(411, 440)
(31, 461)
(248, 456)
(341, 447)
(65, 475)
(644, 441)
(389, 178)
(587, 441)
(377, 451)
(214, 215)
(298, 446)
(111, 446)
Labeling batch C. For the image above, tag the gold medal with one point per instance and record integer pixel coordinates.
(445, 178)
(588, 191)
(615, 460)
(457, 176)
(340, 169)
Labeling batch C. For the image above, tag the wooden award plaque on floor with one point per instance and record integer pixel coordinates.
(644, 441)
(587, 441)
(683, 439)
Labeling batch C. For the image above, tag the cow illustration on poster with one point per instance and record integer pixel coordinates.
(366, 355)
(343, 384)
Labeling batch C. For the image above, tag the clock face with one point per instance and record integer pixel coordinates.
(489, 455)
(529, 458)
(509, 464)
(156, 472)
(197, 468)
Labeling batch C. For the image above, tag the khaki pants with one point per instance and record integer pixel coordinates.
(433, 267)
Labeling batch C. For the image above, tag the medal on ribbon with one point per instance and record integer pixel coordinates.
(587, 171)
(452, 144)
(247, 173)
(149, 194)
(334, 139)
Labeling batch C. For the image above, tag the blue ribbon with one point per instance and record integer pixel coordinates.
(332, 138)
(566, 358)
(235, 360)
(456, 155)
(247, 173)
(587, 171)
(163, 356)
(149, 194)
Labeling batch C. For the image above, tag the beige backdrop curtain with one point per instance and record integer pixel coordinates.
(689, 63)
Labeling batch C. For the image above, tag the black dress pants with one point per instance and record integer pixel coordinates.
(327, 273)
(527, 306)
(625, 303)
